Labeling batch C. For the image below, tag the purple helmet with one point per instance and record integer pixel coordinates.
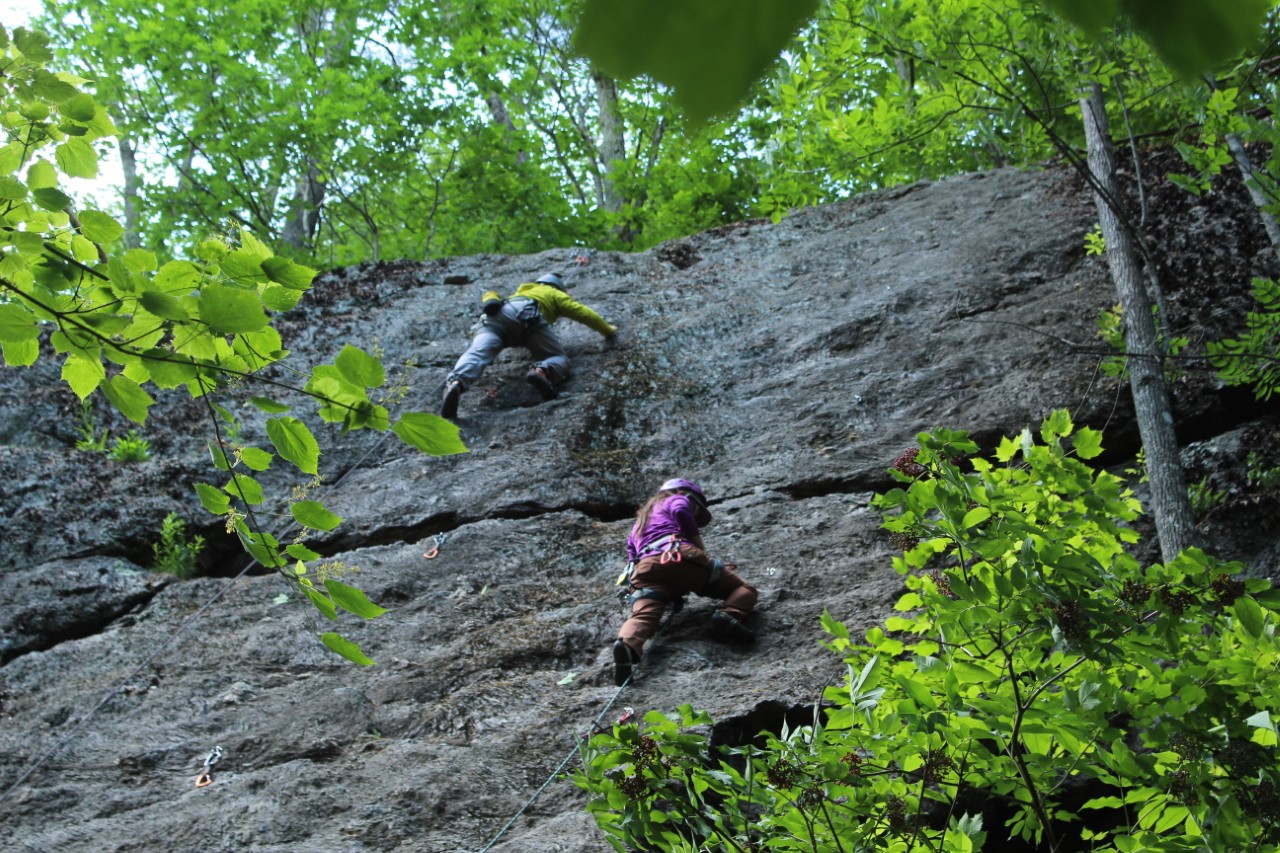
(681, 483)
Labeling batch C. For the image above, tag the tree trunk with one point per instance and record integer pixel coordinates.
(1260, 200)
(613, 147)
(132, 184)
(304, 210)
(1170, 505)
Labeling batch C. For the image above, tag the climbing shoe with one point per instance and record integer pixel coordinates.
(729, 629)
(449, 405)
(624, 659)
(538, 379)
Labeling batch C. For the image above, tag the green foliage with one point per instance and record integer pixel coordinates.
(1259, 474)
(1094, 242)
(1034, 660)
(87, 429)
(131, 448)
(713, 57)
(124, 324)
(176, 553)
(1254, 357)
(1190, 35)
(1221, 117)
(1204, 497)
(709, 52)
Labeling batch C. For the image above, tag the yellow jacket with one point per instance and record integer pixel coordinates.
(555, 303)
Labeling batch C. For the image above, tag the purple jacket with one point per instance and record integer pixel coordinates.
(673, 516)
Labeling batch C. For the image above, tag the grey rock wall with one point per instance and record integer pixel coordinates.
(784, 366)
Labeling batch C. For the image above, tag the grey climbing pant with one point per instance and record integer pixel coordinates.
(518, 324)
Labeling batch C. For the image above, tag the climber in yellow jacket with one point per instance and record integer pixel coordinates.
(522, 319)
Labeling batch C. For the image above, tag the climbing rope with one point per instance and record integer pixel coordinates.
(595, 727)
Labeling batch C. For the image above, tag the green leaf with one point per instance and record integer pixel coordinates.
(163, 305)
(301, 552)
(17, 324)
(710, 51)
(975, 516)
(346, 648)
(322, 602)
(42, 175)
(128, 398)
(1087, 443)
(285, 272)
(429, 433)
(214, 499)
(245, 488)
(20, 353)
(77, 158)
(99, 227)
(51, 198)
(313, 514)
(972, 673)
(353, 600)
(279, 298)
(33, 45)
(294, 442)
(47, 86)
(80, 107)
(255, 458)
(1058, 424)
(242, 266)
(12, 189)
(359, 367)
(266, 404)
(1250, 616)
(228, 310)
(168, 369)
(83, 374)
(1193, 36)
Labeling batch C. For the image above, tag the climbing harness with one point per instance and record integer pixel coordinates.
(206, 775)
(436, 541)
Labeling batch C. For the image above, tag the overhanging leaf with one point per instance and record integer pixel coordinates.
(429, 433)
(353, 600)
(128, 398)
(322, 602)
(313, 514)
(17, 324)
(293, 441)
(82, 374)
(228, 310)
(163, 305)
(213, 499)
(710, 51)
(359, 367)
(77, 158)
(346, 648)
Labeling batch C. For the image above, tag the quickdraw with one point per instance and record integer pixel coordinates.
(205, 778)
(436, 541)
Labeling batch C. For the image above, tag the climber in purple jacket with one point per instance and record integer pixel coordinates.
(668, 561)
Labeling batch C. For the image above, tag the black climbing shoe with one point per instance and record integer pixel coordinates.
(449, 405)
(729, 629)
(623, 661)
(538, 379)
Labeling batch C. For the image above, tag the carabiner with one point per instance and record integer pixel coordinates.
(436, 542)
(205, 777)
(672, 555)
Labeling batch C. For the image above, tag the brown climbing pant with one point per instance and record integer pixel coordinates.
(674, 580)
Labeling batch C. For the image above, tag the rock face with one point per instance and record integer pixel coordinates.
(783, 366)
